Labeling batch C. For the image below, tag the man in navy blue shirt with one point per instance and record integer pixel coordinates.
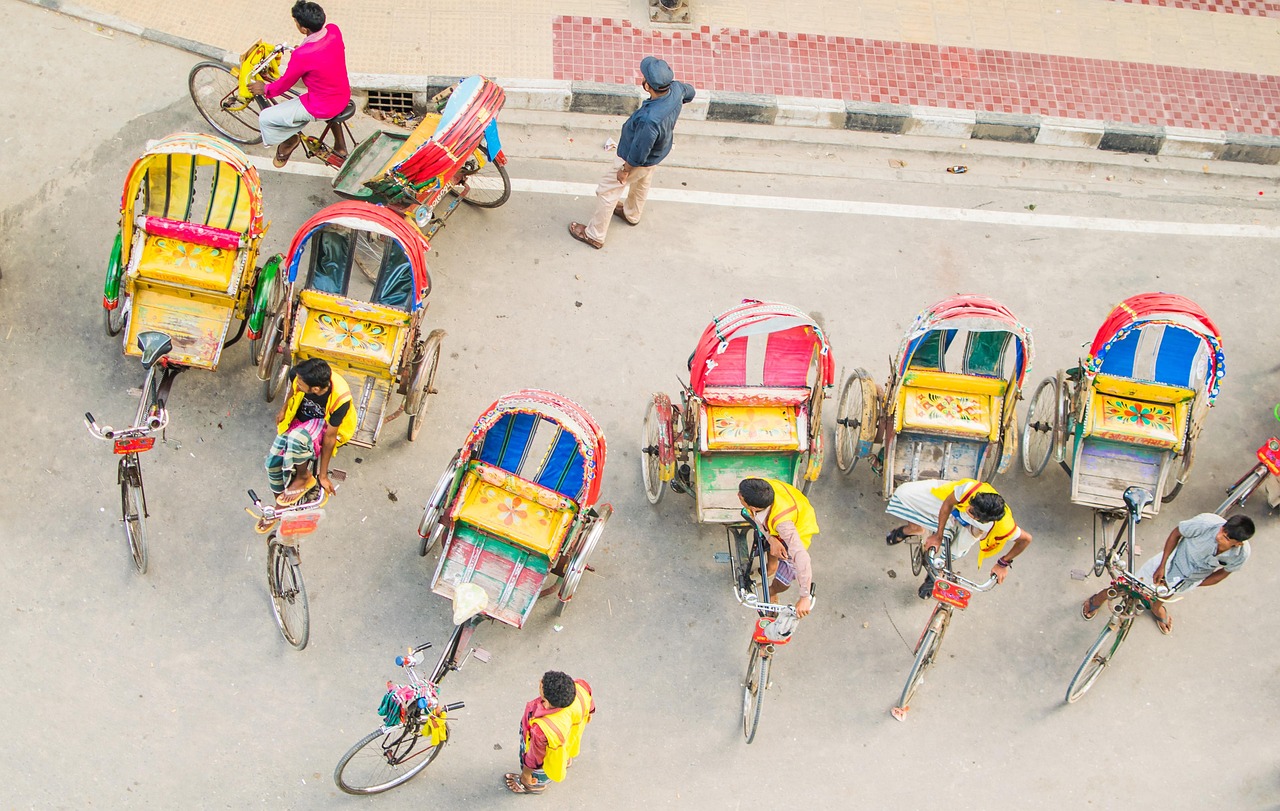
(645, 141)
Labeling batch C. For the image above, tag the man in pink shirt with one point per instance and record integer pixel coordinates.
(320, 63)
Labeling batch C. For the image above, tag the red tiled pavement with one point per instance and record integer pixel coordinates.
(1248, 8)
(819, 66)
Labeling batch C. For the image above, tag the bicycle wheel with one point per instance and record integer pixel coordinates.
(917, 558)
(650, 463)
(383, 760)
(1242, 490)
(423, 384)
(213, 89)
(487, 186)
(753, 687)
(1098, 657)
(133, 509)
(926, 652)
(288, 595)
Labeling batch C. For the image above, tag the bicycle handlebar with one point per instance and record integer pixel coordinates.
(155, 422)
(753, 602)
(270, 512)
(934, 559)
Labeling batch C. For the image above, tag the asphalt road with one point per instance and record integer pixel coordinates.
(175, 687)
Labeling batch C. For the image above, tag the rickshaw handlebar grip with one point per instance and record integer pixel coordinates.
(457, 705)
(253, 497)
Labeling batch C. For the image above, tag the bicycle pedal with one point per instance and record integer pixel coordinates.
(481, 654)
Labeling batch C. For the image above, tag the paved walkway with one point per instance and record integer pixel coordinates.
(1208, 64)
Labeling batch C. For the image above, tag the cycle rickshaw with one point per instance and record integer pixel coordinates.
(1129, 413)
(182, 268)
(453, 155)
(752, 408)
(948, 409)
(516, 506)
(354, 292)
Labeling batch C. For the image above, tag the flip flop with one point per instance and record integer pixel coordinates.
(1165, 625)
(263, 526)
(579, 232)
(895, 536)
(1086, 613)
(287, 499)
(516, 786)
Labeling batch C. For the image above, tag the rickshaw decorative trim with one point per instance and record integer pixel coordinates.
(973, 313)
(755, 317)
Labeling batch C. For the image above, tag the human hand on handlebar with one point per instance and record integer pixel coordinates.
(803, 606)
(933, 541)
(258, 88)
(999, 572)
(327, 484)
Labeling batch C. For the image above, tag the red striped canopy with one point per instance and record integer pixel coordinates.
(784, 359)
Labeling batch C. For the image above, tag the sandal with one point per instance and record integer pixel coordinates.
(1086, 613)
(284, 151)
(622, 215)
(1165, 624)
(896, 536)
(290, 497)
(579, 232)
(516, 786)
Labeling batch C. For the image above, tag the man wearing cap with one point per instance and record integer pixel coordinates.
(645, 141)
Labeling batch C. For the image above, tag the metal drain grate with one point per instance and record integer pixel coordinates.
(391, 101)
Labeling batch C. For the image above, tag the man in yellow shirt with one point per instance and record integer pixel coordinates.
(315, 418)
(789, 522)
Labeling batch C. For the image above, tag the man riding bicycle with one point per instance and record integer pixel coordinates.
(929, 505)
(320, 63)
(1201, 551)
(788, 521)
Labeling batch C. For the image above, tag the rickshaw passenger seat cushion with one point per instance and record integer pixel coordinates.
(178, 261)
(513, 508)
(754, 395)
(1138, 413)
(752, 427)
(194, 233)
(953, 404)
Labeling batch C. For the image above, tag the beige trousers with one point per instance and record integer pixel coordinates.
(610, 191)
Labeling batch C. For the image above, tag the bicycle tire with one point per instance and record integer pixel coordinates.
(487, 199)
(926, 651)
(288, 595)
(917, 559)
(762, 554)
(133, 512)
(1040, 427)
(379, 758)
(1095, 661)
(754, 684)
(210, 84)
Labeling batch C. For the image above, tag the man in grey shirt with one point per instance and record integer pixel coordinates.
(1202, 551)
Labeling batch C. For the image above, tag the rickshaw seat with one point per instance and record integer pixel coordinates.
(950, 404)
(503, 504)
(753, 427)
(153, 345)
(754, 395)
(350, 331)
(188, 254)
(346, 113)
(1138, 413)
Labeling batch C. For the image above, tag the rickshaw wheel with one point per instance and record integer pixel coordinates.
(578, 563)
(272, 369)
(849, 418)
(491, 174)
(429, 528)
(114, 320)
(651, 439)
(424, 383)
(274, 301)
(1188, 459)
(1040, 428)
(209, 84)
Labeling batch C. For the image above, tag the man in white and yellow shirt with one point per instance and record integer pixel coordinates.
(788, 521)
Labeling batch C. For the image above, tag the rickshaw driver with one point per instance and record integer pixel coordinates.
(320, 63)
(982, 514)
(313, 421)
(789, 522)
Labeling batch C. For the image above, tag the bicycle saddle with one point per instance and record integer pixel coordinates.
(346, 113)
(1137, 499)
(154, 345)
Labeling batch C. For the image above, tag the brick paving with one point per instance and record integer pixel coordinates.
(1249, 8)
(819, 66)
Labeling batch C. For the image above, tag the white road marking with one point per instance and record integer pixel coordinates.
(894, 210)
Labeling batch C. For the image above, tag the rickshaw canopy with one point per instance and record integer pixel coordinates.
(976, 315)
(470, 115)
(1160, 338)
(361, 216)
(761, 343)
(232, 212)
(542, 437)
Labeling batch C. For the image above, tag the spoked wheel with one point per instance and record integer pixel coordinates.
(753, 687)
(926, 653)
(578, 563)
(288, 594)
(384, 760)
(1041, 428)
(917, 558)
(133, 509)
(1098, 657)
(1187, 459)
(418, 400)
(1119, 544)
(853, 418)
(1242, 490)
(430, 528)
(275, 299)
(214, 91)
(272, 369)
(652, 437)
(113, 320)
(488, 186)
